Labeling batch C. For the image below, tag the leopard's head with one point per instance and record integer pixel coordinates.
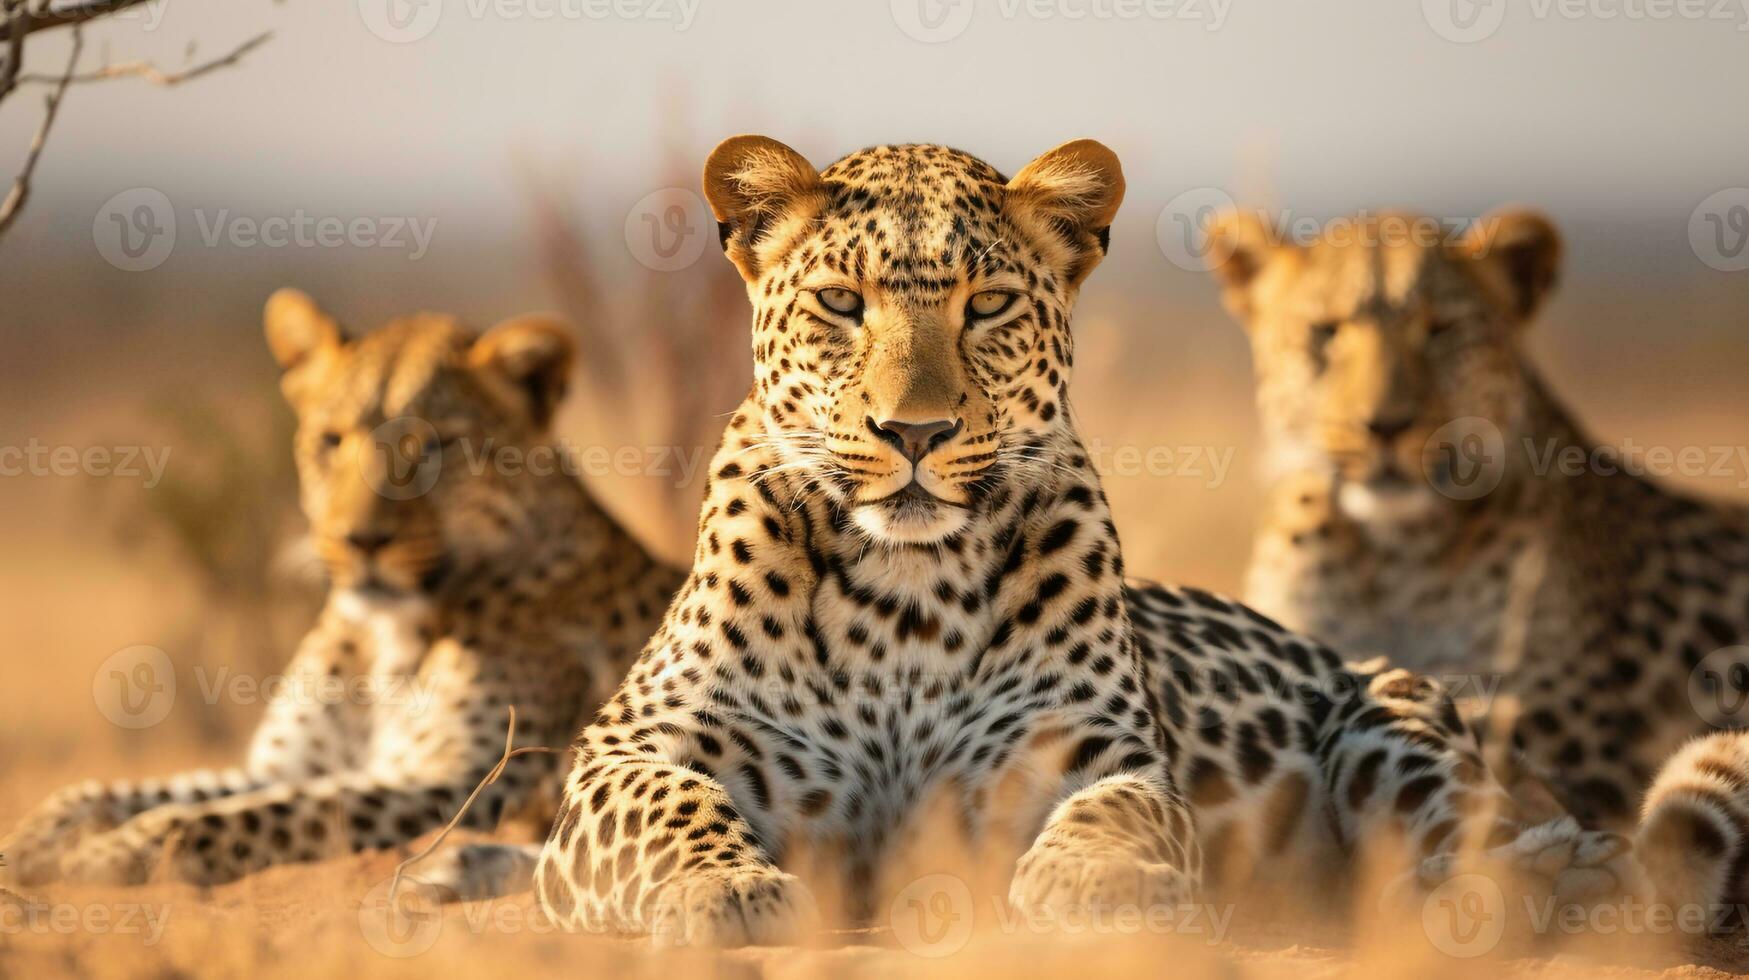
(1388, 350)
(414, 442)
(911, 316)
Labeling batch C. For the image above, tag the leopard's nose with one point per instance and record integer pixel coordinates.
(369, 541)
(915, 439)
(1388, 429)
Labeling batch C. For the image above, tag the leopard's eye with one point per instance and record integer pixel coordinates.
(992, 302)
(1324, 330)
(1440, 326)
(330, 440)
(840, 301)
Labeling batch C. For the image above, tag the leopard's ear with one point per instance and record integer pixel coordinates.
(1074, 192)
(1238, 247)
(297, 328)
(1519, 254)
(530, 356)
(761, 193)
(300, 336)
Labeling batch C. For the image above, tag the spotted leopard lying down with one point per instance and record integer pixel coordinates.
(1439, 503)
(908, 589)
(458, 588)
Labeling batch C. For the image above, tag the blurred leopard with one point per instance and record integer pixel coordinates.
(470, 572)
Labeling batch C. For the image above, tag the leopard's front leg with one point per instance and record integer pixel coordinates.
(1126, 840)
(643, 846)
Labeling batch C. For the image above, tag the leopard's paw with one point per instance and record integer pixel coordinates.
(32, 853)
(728, 908)
(110, 859)
(1060, 883)
(477, 872)
(31, 859)
(1557, 858)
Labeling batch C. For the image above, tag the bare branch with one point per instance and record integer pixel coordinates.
(72, 14)
(17, 12)
(510, 752)
(19, 18)
(21, 184)
(152, 73)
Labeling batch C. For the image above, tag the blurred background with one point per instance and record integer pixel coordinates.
(487, 157)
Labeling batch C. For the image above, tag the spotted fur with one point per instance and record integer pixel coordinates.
(1694, 838)
(1418, 513)
(488, 585)
(908, 590)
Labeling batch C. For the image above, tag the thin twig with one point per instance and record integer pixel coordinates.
(152, 73)
(21, 184)
(17, 12)
(69, 15)
(491, 777)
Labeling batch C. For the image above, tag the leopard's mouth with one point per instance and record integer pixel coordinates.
(910, 515)
(1389, 477)
(912, 494)
(1386, 471)
(1384, 492)
(392, 580)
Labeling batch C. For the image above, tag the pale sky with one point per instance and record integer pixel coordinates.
(1320, 106)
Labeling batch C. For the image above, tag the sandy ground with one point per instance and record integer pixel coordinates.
(333, 920)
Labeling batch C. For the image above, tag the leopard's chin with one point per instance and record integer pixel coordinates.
(1387, 501)
(913, 516)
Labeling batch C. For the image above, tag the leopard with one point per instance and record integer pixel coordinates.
(1434, 499)
(469, 573)
(908, 611)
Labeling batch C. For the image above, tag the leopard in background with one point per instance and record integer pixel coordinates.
(1418, 512)
(468, 584)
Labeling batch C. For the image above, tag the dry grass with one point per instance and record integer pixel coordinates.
(331, 920)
